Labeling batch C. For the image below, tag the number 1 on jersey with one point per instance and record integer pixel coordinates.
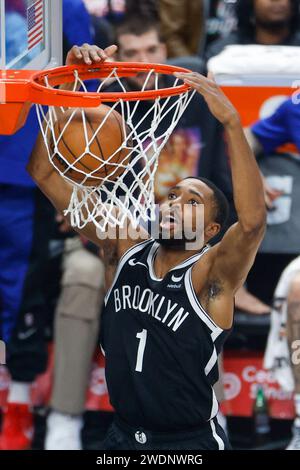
(142, 336)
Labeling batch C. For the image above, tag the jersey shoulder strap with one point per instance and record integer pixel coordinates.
(125, 257)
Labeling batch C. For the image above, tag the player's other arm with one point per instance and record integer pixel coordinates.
(233, 257)
(54, 186)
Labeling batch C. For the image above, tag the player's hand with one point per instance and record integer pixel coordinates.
(270, 194)
(87, 54)
(218, 103)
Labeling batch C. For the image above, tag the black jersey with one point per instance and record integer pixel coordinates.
(160, 345)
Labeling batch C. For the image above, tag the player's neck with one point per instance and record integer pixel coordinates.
(167, 258)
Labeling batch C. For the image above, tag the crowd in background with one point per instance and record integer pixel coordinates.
(52, 281)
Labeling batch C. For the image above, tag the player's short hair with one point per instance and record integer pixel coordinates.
(245, 15)
(137, 25)
(220, 202)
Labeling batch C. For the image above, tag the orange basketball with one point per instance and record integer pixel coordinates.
(83, 149)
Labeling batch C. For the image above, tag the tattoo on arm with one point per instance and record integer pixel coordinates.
(213, 290)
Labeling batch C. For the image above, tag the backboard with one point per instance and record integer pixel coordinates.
(30, 34)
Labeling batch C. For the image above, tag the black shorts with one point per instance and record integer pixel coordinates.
(210, 436)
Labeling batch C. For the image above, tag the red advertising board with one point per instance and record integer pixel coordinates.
(97, 396)
(243, 373)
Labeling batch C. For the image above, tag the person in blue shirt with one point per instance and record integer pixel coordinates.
(279, 128)
(267, 136)
(26, 221)
(77, 24)
(271, 136)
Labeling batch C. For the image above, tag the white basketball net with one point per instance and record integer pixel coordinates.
(134, 200)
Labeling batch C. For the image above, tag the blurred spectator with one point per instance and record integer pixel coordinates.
(145, 8)
(266, 22)
(282, 352)
(276, 140)
(182, 25)
(270, 134)
(220, 19)
(16, 28)
(76, 330)
(26, 224)
(105, 14)
(112, 10)
(77, 25)
(293, 335)
(192, 149)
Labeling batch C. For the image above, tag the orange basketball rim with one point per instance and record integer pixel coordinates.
(19, 89)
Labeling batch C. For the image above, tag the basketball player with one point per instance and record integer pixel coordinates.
(169, 309)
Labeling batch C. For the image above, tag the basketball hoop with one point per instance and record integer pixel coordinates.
(128, 184)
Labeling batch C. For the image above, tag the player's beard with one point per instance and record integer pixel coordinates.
(176, 239)
(171, 243)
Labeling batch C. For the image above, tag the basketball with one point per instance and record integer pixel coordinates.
(88, 145)
(153, 189)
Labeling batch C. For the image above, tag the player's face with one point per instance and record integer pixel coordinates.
(272, 11)
(144, 48)
(187, 214)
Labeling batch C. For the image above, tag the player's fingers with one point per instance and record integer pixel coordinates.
(211, 77)
(101, 53)
(111, 50)
(201, 87)
(86, 53)
(76, 52)
(95, 56)
(194, 75)
(196, 79)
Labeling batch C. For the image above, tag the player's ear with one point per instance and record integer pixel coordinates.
(212, 230)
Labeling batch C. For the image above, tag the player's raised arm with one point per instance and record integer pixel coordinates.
(51, 183)
(234, 255)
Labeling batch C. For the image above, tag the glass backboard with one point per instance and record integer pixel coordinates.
(30, 34)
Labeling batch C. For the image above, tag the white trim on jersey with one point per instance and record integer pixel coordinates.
(131, 251)
(219, 440)
(216, 333)
(150, 261)
(214, 406)
(212, 361)
(151, 257)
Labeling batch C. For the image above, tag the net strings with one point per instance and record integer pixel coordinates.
(101, 204)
